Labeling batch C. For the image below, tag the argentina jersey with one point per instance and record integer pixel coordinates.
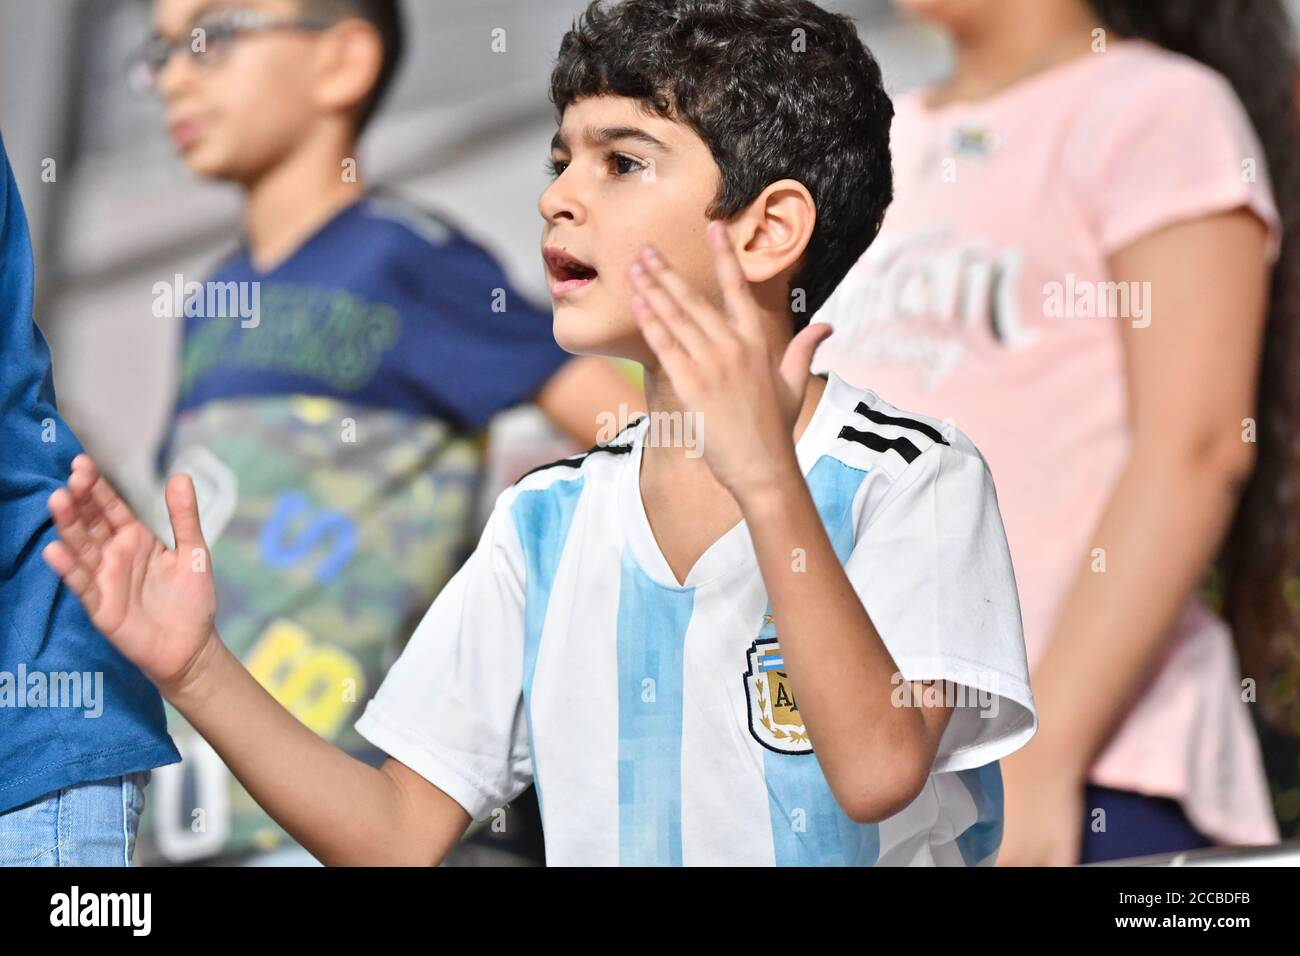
(656, 717)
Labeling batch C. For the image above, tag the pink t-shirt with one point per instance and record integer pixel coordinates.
(984, 301)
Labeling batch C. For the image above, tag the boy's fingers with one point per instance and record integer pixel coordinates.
(63, 509)
(71, 529)
(183, 510)
(111, 506)
(687, 333)
(74, 574)
(731, 278)
(667, 349)
(80, 483)
(59, 557)
(656, 334)
(690, 302)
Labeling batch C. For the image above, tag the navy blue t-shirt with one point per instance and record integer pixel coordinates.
(72, 709)
(331, 412)
(386, 305)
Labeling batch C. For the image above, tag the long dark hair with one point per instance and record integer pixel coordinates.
(1252, 43)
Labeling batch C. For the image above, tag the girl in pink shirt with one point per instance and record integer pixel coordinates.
(1084, 270)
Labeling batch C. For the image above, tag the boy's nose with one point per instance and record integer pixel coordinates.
(559, 204)
(176, 75)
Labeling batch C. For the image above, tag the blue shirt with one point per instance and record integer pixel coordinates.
(386, 305)
(72, 709)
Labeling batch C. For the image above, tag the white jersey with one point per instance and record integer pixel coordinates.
(657, 719)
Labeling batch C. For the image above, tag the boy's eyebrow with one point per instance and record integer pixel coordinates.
(609, 134)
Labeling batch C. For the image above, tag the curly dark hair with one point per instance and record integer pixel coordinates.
(1252, 44)
(777, 89)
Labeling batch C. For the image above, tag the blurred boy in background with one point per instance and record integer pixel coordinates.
(331, 407)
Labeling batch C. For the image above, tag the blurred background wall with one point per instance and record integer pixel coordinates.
(465, 129)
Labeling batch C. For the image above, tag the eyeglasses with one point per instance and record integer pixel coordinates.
(209, 42)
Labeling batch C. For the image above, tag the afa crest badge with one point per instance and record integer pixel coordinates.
(774, 718)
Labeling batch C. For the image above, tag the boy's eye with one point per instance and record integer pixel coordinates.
(619, 164)
(623, 165)
(216, 28)
(221, 33)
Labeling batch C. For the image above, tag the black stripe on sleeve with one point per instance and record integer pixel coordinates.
(880, 443)
(880, 418)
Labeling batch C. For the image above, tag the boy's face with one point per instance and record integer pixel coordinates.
(248, 101)
(627, 177)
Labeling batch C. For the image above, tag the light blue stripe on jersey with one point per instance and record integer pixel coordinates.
(542, 518)
(808, 826)
(652, 622)
(982, 838)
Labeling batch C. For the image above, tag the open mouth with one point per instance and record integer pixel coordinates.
(569, 272)
(184, 133)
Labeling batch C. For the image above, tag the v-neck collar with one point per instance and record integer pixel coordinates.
(311, 239)
(733, 551)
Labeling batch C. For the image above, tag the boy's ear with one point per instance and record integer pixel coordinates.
(349, 59)
(774, 230)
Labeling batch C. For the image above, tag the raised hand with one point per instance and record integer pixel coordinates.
(154, 605)
(722, 368)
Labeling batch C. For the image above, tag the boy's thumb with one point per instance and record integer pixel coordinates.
(183, 510)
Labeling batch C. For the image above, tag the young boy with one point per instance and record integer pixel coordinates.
(334, 427)
(801, 647)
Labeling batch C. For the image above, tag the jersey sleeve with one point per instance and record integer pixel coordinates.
(451, 708)
(933, 570)
(1183, 147)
